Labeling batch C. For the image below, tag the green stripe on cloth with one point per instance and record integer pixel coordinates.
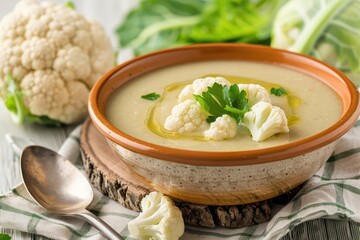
(96, 209)
(330, 164)
(8, 208)
(341, 185)
(296, 205)
(124, 215)
(314, 205)
(250, 232)
(125, 232)
(357, 123)
(220, 235)
(329, 169)
(340, 196)
(344, 154)
(83, 230)
(349, 188)
(31, 227)
(337, 179)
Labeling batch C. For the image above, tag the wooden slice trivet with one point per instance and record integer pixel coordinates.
(112, 177)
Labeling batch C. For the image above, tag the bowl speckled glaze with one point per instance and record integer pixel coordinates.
(224, 178)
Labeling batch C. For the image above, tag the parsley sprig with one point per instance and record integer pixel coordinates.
(219, 100)
(151, 96)
(278, 91)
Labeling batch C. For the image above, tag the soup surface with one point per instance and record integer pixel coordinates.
(310, 105)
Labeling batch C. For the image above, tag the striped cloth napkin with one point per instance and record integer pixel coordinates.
(333, 192)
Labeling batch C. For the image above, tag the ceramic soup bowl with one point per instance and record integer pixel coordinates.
(213, 176)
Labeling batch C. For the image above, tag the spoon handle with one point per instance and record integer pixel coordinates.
(102, 226)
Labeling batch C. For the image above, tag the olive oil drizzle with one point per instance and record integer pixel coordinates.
(152, 124)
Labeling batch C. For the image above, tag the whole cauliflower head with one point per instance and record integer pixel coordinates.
(185, 117)
(160, 219)
(224, 127)
(265, 120)
(54, 56)
(199, 86)
(255, 93)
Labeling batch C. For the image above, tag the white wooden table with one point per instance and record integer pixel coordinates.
(109, 13)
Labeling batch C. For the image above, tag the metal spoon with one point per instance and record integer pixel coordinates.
(58, 186)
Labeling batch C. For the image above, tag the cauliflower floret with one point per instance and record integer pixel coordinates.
(73, 63)
(224, 127)
(53, 43)
(185, 117)
(38, 53)
(265, 120)
(199, 86)
(160, 219)
(255, 93)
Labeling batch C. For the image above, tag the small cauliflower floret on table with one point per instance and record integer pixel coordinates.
(199, 86)
(224, 127)
(160, 219)
(255, 93)
(265, 120)
(45, 48)
(186, 117)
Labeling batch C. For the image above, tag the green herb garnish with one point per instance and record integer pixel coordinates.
(151, 96)
(4, 236)
(219, 100)
(70, 4)
(278, 91)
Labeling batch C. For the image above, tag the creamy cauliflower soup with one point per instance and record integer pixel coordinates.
(310, 105)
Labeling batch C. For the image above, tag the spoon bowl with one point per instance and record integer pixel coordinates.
(54, 182)
(58, 186)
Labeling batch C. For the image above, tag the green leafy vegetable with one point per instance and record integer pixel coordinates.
(219, 100)
(70, 4)
(278, 91)
(327, 30)
(151, 96)
(236, 21)
(19, 113)
(158, 24)
(4, 236)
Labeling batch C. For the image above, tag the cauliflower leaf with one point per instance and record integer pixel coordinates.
(330, 34)
(19, 113)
